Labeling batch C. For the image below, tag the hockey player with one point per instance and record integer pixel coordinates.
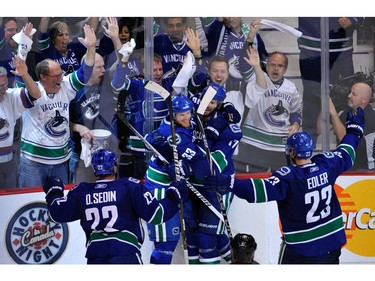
(110, 210)
(222, 140)
(310, 213)
(159, 175)
(132, 101)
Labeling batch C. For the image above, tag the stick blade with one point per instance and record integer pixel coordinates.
(156, 88)
(207, 98)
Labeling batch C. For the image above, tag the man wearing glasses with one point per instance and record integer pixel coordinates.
(45, 139)
(13, 101)
(275, 113)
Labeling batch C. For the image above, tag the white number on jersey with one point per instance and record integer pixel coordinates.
(106, 212)
(314, 198)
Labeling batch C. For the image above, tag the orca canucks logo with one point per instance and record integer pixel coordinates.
(272, 114)
(4, 125)
(33, 238)
(53, 126)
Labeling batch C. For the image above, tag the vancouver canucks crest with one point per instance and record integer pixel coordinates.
(57, 125)
(4, 131)
(276, 114)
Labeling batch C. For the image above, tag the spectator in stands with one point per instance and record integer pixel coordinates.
(340, 61)
(45, 146)
(94, 108)
(56, 43)
(275, 113)
(171, 44)
(13, 101)
(359, 96)
(227, 38)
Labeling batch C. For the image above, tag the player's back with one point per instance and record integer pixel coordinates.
(106, 205)
(108, 216)
(311, 215)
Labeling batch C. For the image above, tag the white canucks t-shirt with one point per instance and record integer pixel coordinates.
(14, 102)
(45, 133)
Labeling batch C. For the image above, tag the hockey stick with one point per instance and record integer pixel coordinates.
(178, 177)
(154, 87)
(205, 101)
(166, 162)
(207, 98)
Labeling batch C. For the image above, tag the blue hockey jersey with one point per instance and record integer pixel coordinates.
(110, 213)
(172, 53)
(221, 150)
(309, 210)
(136, 105)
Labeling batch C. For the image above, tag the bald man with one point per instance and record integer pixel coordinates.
(359, 96)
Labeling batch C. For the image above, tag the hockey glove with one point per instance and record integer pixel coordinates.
(160, 143)
(217, 122)
(183, 166)
(53, 187)
(178, 190)
(157, 139)
(230, 113)
(355, 122)
(218, 183)
(211, 133)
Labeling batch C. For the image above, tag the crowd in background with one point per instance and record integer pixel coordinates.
(58, 39)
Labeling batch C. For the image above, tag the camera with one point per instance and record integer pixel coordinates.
(340, 90)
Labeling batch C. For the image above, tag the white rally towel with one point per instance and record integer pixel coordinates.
(24, 43)
(127, 49)
(282, 27)
(86, 151)
(186, 72)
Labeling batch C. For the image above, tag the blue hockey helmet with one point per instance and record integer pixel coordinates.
(103, 162)
(220, 92)
(302, 143)
(181, 103)
(243, 248)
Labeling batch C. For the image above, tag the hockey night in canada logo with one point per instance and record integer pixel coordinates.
(33, 238)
